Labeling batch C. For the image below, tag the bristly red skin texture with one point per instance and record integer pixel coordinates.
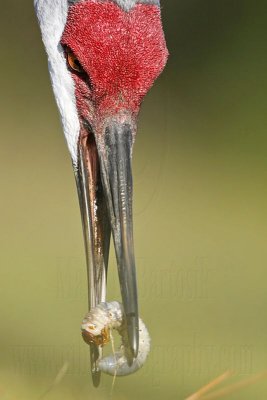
(121, 52)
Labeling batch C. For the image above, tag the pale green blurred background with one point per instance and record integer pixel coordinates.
(200, 168)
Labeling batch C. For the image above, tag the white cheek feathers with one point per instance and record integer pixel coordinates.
(52, 15)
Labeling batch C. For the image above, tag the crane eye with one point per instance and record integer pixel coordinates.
(73, 62)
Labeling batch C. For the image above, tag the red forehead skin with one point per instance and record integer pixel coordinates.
(122, 52)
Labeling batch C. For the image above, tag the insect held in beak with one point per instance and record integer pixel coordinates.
(97, 329)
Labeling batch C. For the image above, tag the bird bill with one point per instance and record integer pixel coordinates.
(104, 184)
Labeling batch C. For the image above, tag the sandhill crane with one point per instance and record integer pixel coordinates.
(103, 57)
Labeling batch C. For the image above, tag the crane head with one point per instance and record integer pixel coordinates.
(114, 57)
(103, 58)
